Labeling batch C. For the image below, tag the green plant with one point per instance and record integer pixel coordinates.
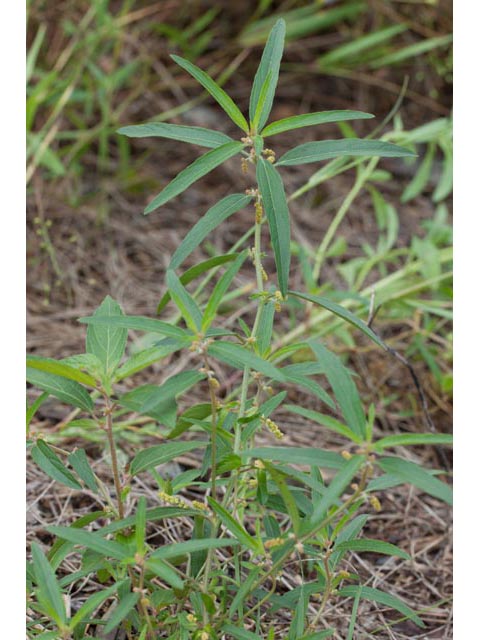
(258, 511)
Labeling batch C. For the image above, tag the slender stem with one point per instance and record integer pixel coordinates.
(113, 455)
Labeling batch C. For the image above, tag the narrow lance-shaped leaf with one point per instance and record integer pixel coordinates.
(207, 223)
(235, 527)
(65, 390)
(372, 546)
(405, 439)
(60, 369)
(369, 593)
(184, 301)
(269, 64)
(341, 312)
(220, 290)
(343, 387)
(412, 473)
(107, 342)
(159, 454)
(335, 489)
(311, 119)
(199, 168)
(215, 91)
(194, 135)
(138, 323)
(326, 149)
(196, 271)
(298, 455)
(79, 461)
(170, 389)
(94, 541)
(191, 546)
(240, 357)
(278, 217)
(89, 606)
(121, 611)
(49, 593)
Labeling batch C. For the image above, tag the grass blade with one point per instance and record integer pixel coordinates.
(215, 91)
(311, 119)
(194, 135)
(199, 168)
(278, 217)
(327, 149)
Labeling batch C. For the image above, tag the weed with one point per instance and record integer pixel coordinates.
(254, 510)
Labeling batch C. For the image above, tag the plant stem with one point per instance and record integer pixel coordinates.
(113, 455)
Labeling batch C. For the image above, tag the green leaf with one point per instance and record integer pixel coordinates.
(343, 387)
(278, 217)
(169, 390)
(326, 421)
(215, 91)
(51, 464)
(79, 461)
(90, 540)
(375, 546)
(199, 168)
(326, 149)
(60, 369)
(368, 593)
(235, 527)
(220, 290)
(194, 135)
(240, 634)
(49, 593)
(258, 112)
(158, 454)
(341, 312)
(147, 357)
(184, 422)
(138, 323)
(207, 223)
(297, 455)
(121, 611)
(413, 50)
(107, 342)
(184, 301)
(196, 271)
(65, 390)
(310, 119)
(178, 549)
(89, 606)
(403, 439)
(293, 375)
(412, 473)
(34, 407)
(269, 65)
(420, 179)
(165, 572)
(240, 357)
(336, 487)
(287, 498)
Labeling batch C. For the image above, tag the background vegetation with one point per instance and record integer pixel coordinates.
(94, 66)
